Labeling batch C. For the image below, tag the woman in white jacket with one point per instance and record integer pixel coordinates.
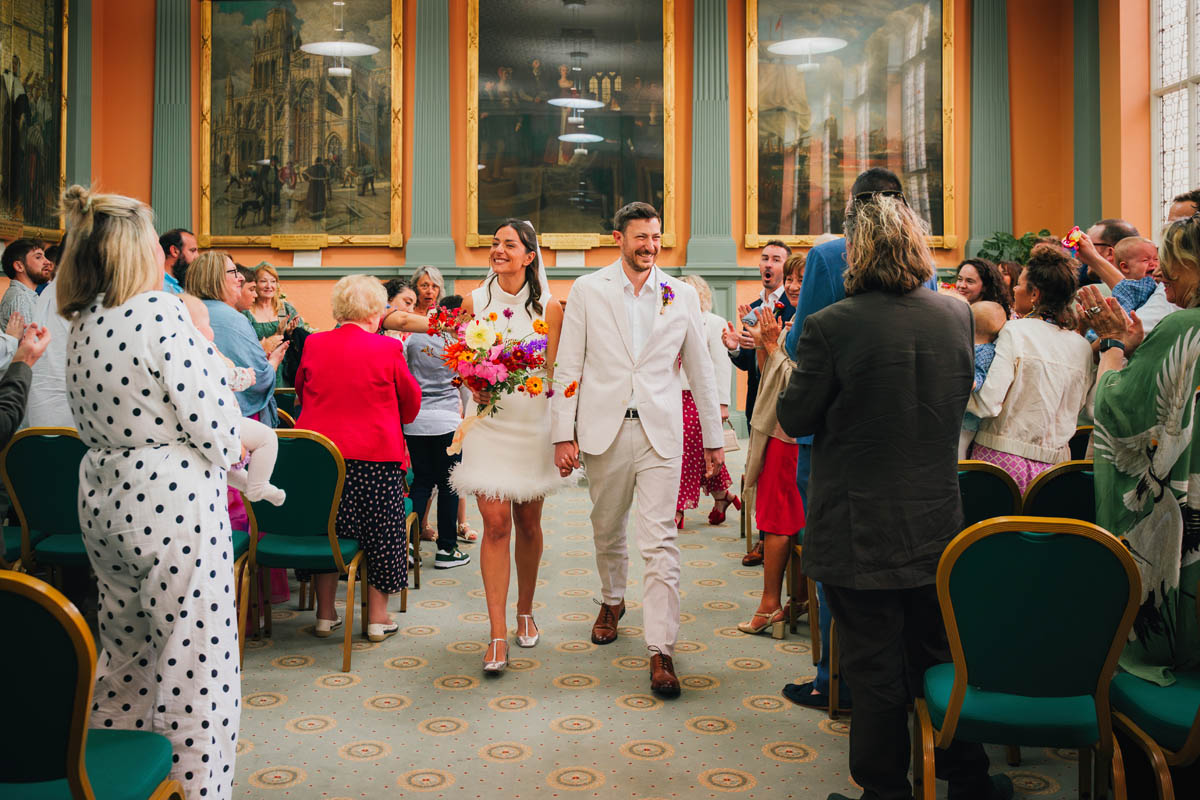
(1042, 375)
(692, 478)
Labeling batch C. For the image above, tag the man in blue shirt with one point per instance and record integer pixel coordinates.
(823, 286)
(180, 250)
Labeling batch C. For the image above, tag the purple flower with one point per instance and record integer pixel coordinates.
(507, 313)
(550, 392)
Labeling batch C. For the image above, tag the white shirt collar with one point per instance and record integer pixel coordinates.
(771, 299)
(627, 285)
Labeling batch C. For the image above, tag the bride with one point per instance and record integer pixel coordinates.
(511, 496)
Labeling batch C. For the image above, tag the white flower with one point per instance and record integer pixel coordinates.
(479, 335)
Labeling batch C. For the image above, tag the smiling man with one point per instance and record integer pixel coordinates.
(27, 268)
(770, 268)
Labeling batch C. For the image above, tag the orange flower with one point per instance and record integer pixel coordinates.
(571, 389)
(492, 316)
(533, 385)
(540, 327)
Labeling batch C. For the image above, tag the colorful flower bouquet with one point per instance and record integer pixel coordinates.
(487, 360)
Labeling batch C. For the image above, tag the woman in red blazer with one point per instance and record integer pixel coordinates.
(354, 387)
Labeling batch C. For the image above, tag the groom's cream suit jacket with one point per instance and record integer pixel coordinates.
(596, 349)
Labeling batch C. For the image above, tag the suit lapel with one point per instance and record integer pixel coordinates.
(661, 312)
(615, 294)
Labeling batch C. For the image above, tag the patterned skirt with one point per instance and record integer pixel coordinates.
(691, 478)
(1022, 470)
(372, 512)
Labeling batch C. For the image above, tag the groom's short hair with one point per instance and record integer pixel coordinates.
(632, 211)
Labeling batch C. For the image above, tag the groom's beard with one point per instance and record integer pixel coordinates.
(635, 265)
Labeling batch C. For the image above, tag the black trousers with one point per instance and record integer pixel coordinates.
(887, 639)
(431, 467)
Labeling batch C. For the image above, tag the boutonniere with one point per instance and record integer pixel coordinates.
(668, 296)
(779, 306)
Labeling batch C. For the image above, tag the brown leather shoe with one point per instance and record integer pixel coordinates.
(662, 676)
(755, 557)
(604, 630)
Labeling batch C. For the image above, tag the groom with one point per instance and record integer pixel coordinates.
(623, 333)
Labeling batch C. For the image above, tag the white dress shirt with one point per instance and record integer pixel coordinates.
(1153, 310)
(639, 310)
(769, 300)
(48, 404)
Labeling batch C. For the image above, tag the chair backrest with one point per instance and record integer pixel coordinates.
(40, 468)
(987, 491)
(285, 419)
(48, 673)
(1079, 442)
(1037, 606)
(285, 399)
(1065, 490)
(311, 470)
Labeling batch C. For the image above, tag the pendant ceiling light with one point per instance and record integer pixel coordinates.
(807, 46)
(342, 48)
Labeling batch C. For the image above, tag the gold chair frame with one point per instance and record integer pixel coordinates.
(925, 737)
(1039, 482)
(77, 630)
(285, 420)
(351, 570)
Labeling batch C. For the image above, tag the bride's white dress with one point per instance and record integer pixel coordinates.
(509, 456)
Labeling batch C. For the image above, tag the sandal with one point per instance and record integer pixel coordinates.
(467, 534)
(717, 515)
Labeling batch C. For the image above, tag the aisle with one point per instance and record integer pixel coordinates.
(417, 718)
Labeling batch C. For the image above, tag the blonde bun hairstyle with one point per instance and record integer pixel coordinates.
(110, 249)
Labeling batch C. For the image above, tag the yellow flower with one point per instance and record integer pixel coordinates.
(479, 335)
(533, 385)
(540, 327)
(492, 316)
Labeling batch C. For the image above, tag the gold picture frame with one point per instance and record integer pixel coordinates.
(305, 241)
(753, 239)
(571, 241)
(16, 228)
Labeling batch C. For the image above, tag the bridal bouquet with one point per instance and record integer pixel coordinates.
(486, 359)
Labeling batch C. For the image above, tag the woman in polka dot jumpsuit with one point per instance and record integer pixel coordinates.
(148, 398)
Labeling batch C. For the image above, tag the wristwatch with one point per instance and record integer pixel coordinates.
(1108, 344)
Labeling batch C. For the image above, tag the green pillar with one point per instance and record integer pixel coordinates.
(171, 176)
(991, 148)
(431, 241)
(711, 241)
(1087, 113)
(79, 93)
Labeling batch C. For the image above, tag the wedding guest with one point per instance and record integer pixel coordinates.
(157, 538)
(429, 286)
(355, 388)
(249, 292)
(48, 406)
(1147, 452)
(271, 316)
(400, 296)
(979, 280)
(1041, 377)
(770, 269)
(692, 478)
(989, 319)
(874, 535)
(771, 462)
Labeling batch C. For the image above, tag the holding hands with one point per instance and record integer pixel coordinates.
(566, 457)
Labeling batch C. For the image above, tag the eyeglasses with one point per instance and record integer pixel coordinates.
(866, 197)
(231, 271)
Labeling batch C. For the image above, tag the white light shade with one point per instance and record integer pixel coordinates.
(581, 151)
(344, 49)
(575, 119)
(574, 102)
(580, 137)
(807, 46)
(808, 66)
(339, 72)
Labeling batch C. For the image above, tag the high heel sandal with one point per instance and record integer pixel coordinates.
(774, 621)
(497, 666)
(679, 520)
(527, 641)
(717, 516)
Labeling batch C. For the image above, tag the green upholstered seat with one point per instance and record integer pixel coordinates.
(1063, 491)
(61, 549)
(295, 553)
(1002, 718)
(311, 471)
(1164, 712)
(121, 765)
(241, 544)
(47, 498)
(985, 494)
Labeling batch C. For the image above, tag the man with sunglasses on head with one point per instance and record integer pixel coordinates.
(823, 286)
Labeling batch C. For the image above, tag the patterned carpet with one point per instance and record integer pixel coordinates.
(416, 717)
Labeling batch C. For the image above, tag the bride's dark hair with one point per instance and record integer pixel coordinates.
(529, 242)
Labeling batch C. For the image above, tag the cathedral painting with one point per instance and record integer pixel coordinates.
(32, 33)
(300, 134)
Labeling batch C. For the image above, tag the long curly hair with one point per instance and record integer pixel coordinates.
(994, 287)
(1052, 272)
(887, 251)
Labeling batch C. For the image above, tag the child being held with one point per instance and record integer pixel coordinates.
(255, 482)
(989, 319)
(1137, 258)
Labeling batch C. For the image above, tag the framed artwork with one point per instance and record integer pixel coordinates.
(570, 115)
(835, 89)
(300, 123)
(33, 110)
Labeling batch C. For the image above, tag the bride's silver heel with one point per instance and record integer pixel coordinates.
(527, 641)
(499, 664)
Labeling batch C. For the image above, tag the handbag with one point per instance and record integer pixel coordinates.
(731, 440)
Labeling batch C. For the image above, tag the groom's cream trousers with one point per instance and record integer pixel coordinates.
(631, 467)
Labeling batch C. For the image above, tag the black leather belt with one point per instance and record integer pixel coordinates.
(631, 413)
